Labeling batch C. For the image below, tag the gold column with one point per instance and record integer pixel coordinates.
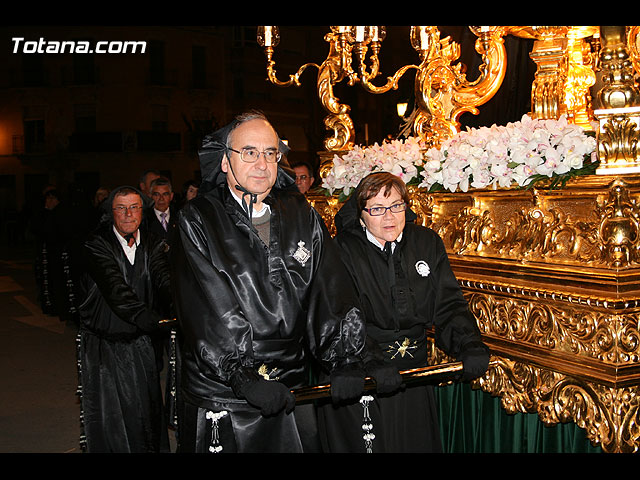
(565, 72)
(619, 117)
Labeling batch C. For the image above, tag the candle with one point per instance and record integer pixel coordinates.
(424, 38)
(267, 36)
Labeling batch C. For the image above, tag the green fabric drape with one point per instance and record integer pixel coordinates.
(472, 421)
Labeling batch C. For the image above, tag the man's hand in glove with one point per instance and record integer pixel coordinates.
(386, 376)
(475, 360)
(269, 396)
(347, 382)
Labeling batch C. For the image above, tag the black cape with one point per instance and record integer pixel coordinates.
(401, 295)
(246, 306)
(120, 387)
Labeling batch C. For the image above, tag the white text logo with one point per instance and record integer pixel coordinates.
(79, 46)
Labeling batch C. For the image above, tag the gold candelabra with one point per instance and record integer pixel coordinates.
(442, 91)
(568, 59)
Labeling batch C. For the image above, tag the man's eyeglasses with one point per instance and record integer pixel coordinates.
(122, 210)
(302, 178)
(377, 211)
(251, 155)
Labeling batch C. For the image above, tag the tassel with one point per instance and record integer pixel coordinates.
(173, 376)
(367, 425)
(215, 446)
(83, 436)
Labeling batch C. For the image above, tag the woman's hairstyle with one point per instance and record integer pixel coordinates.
(373, 183)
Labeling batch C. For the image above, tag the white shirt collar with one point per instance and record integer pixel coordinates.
(375, 241)
(158, 212)
(256, 213)
(129, 251)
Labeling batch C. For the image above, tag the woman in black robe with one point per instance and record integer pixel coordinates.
(406, 286)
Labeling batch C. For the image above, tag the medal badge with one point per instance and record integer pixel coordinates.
(302, 255)
(422, 268)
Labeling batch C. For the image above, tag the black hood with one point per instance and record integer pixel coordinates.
(348, 218)
(214, 147)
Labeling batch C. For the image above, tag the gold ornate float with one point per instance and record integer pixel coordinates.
(553, 276)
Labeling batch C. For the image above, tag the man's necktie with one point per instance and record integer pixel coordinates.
(163, 217)
(130, 239)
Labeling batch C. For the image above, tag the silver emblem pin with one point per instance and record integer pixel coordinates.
(422, 268)
(302, 255)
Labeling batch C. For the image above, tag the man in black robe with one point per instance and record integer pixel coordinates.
(259, 288)
(127, 296)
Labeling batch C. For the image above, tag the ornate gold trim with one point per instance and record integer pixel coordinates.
(553, 279)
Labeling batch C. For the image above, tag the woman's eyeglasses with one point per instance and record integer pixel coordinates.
(377, 211)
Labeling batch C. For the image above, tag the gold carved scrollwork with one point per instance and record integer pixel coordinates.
(619, 229)
(536, 320)
(607, 233)
(608, 415)
(330, 73)
(529, 234)
(327, 207)
(618, 138)
(442, 90)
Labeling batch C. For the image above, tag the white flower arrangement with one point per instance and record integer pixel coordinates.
(517, 154)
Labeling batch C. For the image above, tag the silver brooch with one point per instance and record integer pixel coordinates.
(302, 254)
(422, 268)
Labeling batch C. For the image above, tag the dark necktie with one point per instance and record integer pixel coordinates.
(130, 238)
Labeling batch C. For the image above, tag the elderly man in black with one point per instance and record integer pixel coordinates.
(127, 296)
(259, 289)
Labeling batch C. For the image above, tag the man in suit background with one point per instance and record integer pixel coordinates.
(162, 217)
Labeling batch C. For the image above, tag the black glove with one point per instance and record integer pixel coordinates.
(347, 382)
(386, 376)
(475, 360)
(148, 321)
(269, 396)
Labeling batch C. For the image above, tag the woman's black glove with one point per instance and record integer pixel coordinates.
(475, 360)
(347, 382)
(270, 396)
(386, 376)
